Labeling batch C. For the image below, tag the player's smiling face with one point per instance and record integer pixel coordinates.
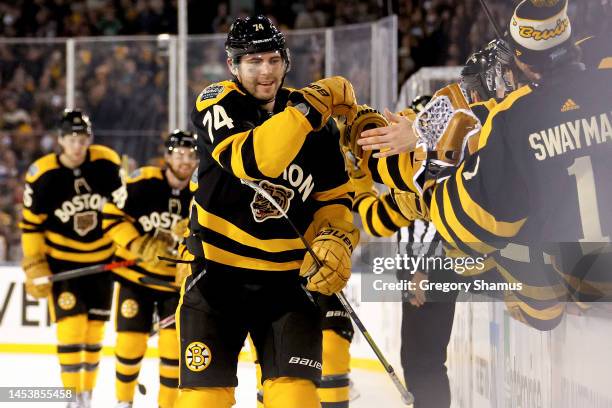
(182, 162)
(261, 74)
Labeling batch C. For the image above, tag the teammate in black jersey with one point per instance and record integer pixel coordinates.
(157, 202)
(62, 230)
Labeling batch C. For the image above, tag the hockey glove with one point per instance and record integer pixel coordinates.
(325, 98)
(365, 119)
(149, 248)
(333, 246)
(179, 230)
(36, 267)
(411, 205)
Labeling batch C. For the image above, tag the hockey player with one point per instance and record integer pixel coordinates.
(539, 176)
(284, 140)
(62, 230)
(157, 201)
(426, 323)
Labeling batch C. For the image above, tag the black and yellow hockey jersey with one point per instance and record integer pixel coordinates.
(62, 207)
(540, 178)
(596, 51)
(301, 169)
(153, 207)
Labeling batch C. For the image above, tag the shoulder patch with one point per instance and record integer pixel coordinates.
(32, 170)
(211, 91)
(41, 166)
(214, 93)
(99, 152)
(144, 173)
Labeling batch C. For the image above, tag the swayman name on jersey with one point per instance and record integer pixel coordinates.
(569, 136)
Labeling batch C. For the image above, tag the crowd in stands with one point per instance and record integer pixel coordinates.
(121, 82)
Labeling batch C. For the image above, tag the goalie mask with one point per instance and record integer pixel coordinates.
(489, 73)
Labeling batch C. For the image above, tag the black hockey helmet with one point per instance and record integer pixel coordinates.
(255, 34)
(180, 138)
(474, 75)
(73, 121)
(419, 103)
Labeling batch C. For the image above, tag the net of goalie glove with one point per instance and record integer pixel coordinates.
(443, 129)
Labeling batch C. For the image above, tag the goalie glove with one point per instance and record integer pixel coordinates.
(325, 98)
(333, 246)
(36, 267)
(365, 119)
(149, 248)
(443, 129)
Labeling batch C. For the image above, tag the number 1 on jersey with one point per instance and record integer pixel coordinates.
(582, 169)
(220, 119)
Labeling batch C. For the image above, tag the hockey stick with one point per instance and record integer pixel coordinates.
(496, 26)
(87, 270)
(407, 397)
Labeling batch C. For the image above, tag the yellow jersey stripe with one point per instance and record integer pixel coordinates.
(482, 217)
(504, 105)
(227, 258)
(78, 245)
(221, 226)
(91, 257)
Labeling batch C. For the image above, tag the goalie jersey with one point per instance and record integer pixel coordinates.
(151, 207)
(539, 178)
(301, 169)
(62, 207)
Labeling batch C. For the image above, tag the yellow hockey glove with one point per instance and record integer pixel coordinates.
(325, 98)
(365, 119)
(36, 267)
(149, 248)
(333, 246)
(180, 229)
(411, 205)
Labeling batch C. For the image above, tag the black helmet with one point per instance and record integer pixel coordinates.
(474, 75)
(180, 138)
(74, 121)
(254, 34)
(419, 103)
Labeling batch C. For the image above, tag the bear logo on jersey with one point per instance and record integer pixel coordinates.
(263, 209)
(66, 300)
(197, 356)
(129, 308)
(85, 222)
